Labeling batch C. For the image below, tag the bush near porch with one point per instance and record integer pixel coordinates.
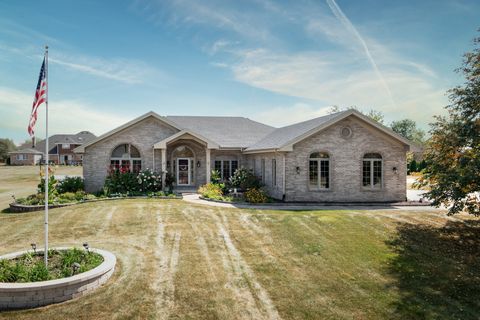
(249, 188)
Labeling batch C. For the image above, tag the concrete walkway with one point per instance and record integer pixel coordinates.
(195, 199)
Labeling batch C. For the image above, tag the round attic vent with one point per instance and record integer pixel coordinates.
(346, 132)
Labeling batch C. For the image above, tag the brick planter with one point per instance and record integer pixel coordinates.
(36, 294)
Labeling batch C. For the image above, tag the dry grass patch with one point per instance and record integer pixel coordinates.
(183, 261)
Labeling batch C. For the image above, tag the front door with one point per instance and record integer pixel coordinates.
(183, 171)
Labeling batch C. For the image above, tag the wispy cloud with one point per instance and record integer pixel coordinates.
(296, 113)
(118, 69)
(351, 28)
(65, 116)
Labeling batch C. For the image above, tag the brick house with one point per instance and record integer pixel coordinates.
(61, 150)
(342, 157)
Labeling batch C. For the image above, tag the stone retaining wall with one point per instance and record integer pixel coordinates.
(36, 294)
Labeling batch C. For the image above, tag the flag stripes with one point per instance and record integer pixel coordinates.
(40, 97)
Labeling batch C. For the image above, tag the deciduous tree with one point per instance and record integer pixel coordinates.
(453, 151)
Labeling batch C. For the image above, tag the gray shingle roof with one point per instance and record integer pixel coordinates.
(281, 136)
(78, 138)
(228, 132)
(26, 150)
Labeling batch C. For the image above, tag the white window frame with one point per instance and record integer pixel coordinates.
(130, 159)
(222, 166)
(319, 161)
(371, 161)
(21, 157)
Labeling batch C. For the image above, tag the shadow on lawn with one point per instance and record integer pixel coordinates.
(437, 271)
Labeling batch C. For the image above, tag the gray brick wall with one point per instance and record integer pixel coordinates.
(142, 135)
(346, 156)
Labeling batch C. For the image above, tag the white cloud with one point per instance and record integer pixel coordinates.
(64, 116)
(118, 69)
(282, 116)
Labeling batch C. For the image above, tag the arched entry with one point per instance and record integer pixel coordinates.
(183, 159)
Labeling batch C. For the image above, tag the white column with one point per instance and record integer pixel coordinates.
(207, 164)
(164, 166)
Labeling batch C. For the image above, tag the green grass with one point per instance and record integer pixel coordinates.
(183, 261)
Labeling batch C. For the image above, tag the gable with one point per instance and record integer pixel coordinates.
(142, 125)
(373, 126)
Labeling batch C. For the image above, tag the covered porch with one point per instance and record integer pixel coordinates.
(186, 156)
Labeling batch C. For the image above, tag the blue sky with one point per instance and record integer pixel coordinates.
(276, 62)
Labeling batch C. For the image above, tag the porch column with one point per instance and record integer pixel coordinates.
(207, 165)
(164, 166)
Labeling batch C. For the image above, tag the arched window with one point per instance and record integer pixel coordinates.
(372, 171)
(319, 170)
(126, 158)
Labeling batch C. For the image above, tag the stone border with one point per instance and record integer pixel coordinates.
(19, 208)
(42, 293)
(325, 204)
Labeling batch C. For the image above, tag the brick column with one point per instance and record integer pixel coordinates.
(207, 164)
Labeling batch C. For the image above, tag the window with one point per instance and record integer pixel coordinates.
(262, 167)
(126, 158)
(372, 171)
(65, 146)
(274, 172)
(319, 170)
(21, 157)
(226, 168)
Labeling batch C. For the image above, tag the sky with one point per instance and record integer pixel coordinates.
(277, 62)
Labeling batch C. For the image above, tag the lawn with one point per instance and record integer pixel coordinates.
(178, 260)
(21, 181)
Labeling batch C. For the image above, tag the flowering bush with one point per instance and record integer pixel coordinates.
(149, 181)
(255, 195)
(125, 182)
(244, 179)
(211, 191)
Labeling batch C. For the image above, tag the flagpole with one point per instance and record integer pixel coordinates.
(46, 157)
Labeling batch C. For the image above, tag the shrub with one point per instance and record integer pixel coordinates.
(149, 181)
(244, 179)
(121, 182)
(70, 184)
(52, 184)
(80, 195)
(169, 180)
(211, 191)
(215, 177)
(67, 197)
(255, 195)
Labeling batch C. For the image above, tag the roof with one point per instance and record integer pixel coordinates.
(26, 150)
(77, 138)
(284, 138)
(243, 133)
(228, 132)
(149, 114)
(281, 136)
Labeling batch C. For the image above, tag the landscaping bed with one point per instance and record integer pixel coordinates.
(25, 282)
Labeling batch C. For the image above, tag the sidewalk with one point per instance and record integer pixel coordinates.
(195, 199)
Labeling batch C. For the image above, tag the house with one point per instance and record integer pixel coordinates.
(25, 156)
(342, 157)
(61, 150)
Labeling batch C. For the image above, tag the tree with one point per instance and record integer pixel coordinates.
(452, 156)
(6, 145)
(375, 115)
(407, 128)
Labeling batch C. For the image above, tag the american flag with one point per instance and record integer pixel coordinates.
(40, 97)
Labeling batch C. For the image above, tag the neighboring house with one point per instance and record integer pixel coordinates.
(60, 150)
(25, 156)
(342, 157)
